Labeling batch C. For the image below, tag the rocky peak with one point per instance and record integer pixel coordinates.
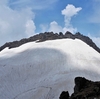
(51, 36)
(84, 89)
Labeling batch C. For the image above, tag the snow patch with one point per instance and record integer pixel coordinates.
(43, 70)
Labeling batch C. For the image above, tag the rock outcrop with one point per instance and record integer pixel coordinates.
(84, 89)
(64, 95)
(51, 36)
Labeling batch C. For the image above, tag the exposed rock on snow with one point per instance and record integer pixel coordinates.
(84, 89)
(64, 95)
(51, 36)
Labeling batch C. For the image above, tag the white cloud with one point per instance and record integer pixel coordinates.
(30, 28)
(68, 13)
(71, 29)
(44, 27)
(55, 27)
(15, 24)
(70, 10)
(17, 18)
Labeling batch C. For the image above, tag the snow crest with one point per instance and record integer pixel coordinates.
(43, 70)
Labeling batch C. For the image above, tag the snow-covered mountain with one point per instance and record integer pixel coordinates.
(43, 70)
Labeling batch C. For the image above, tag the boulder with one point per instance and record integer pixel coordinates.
(64, 95)
(84, 89)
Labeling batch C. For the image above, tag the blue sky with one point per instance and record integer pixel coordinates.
(24, 18)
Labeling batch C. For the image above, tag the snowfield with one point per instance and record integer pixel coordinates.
(43, 70)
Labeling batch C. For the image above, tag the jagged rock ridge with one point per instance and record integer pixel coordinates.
(84, 89)
(50, 36)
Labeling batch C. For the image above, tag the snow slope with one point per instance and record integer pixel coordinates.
(43, 70)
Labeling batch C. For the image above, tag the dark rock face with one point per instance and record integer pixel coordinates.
(80, 83)
(50, 36)
(64, 95)
(84, 89)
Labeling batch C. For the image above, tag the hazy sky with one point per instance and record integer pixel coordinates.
(24, 18)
